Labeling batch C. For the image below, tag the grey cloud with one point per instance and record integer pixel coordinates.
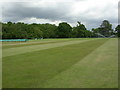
(17, 11)
(21, 10)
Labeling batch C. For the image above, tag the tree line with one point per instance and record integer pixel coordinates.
(21, 30)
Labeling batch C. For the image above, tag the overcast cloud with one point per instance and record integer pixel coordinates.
(89, 12)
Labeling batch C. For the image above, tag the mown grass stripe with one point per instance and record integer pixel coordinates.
(33, 69)
(6, 45)
(25, 49)
(32, 43)
(99, 69)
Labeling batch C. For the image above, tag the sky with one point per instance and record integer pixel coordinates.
(91, 13)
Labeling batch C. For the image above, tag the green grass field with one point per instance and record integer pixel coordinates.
(61, 63)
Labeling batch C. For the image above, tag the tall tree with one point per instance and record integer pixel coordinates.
(105, 28)
(49, 30)
(117, 29)
(80, 30)
(64, 30)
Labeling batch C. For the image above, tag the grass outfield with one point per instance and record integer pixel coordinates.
(63, 63)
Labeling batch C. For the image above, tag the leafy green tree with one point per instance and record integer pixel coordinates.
(117, 29)
(77, 32)
(81, 26)
(105, 28)
(34, 32)
(49, 30)
(80, 31)
(64, 30)
(21, 30)
(95, 30)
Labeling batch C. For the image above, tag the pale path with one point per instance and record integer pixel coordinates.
(30, 42)
(25, 49)
(98, 69)
(23, 43)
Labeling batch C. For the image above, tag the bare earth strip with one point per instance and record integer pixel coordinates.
(98, 69)
(25, 49)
